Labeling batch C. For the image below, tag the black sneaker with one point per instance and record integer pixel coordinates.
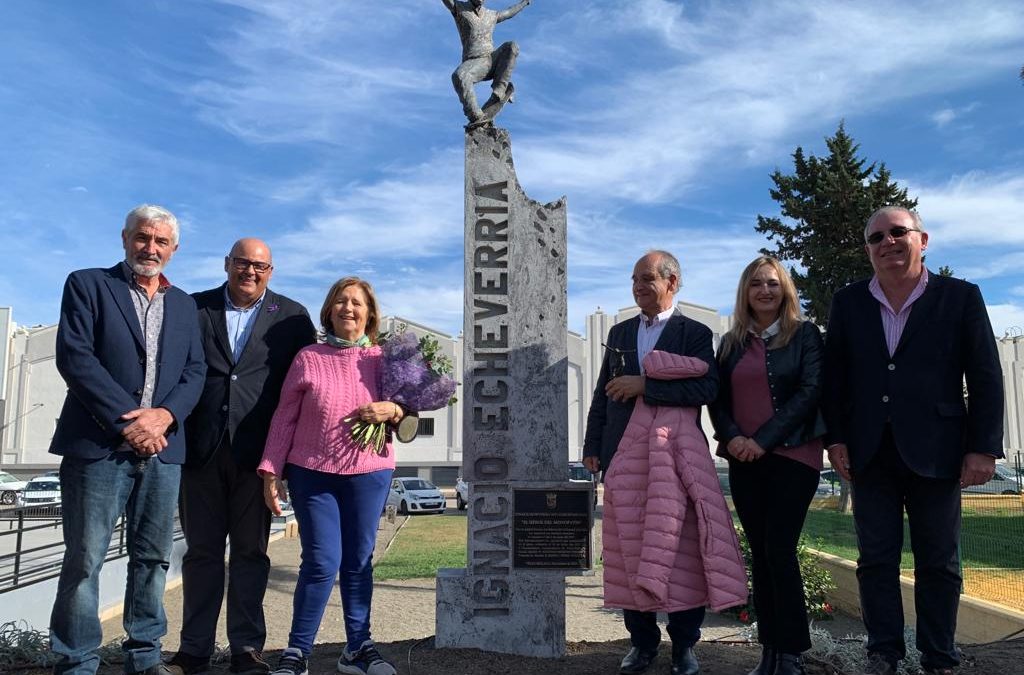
(184, 663)
(292, 662)
(249, 662)
(365, 661)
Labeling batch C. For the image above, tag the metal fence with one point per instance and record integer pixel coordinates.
(991, 536)
(32, 544)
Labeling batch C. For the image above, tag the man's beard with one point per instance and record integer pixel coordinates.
(148, 268)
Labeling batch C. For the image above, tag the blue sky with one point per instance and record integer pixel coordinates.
(330, 129)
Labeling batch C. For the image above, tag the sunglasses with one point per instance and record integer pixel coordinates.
(896, 232)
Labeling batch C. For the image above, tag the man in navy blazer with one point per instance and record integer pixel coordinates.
(900, 347)
(660, 325)
(250, 336)
(129, 349)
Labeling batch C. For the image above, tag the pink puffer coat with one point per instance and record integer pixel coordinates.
(669, 542)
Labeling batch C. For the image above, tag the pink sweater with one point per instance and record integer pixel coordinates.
(324, 386)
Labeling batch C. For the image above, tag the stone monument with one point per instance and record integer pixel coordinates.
(528, 526)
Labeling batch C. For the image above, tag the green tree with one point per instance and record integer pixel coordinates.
(826, 203)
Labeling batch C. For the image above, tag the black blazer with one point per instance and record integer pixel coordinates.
(607, 419)
(240, 398)
(794, 378)
(919, 389)
(101, 354)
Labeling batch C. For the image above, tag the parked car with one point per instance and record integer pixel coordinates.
(41, 491)
(10, 488)
(828, 483)
(415, 495)
(578, 473)
(461, 494)
(1004, 482)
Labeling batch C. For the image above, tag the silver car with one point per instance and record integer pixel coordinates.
(10, 488)
(1003, 482)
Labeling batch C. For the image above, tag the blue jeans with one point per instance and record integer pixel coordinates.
(94, 495)
(338, 518)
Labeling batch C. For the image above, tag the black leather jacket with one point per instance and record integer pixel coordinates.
(794, 377)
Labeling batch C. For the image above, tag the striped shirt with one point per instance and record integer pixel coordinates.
(894, 322)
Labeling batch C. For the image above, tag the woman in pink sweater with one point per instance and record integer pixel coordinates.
(338, 487)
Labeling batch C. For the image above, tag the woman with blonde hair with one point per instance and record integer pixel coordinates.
(338, 487)
(769, 428)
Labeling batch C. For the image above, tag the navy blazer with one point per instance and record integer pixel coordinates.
(101, 354)
(239, 398)
(607, 419)
(920, 388)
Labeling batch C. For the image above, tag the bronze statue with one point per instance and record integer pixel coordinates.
(480, 60)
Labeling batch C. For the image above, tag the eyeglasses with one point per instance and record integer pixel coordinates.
(242, 264)
(896, 232)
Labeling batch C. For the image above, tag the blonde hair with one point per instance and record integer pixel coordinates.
(372, 312)
(743, 317)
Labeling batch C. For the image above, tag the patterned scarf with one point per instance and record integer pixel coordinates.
(341, 343)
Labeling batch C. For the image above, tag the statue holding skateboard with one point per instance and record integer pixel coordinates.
(480, 60)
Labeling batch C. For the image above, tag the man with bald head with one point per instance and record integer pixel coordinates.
(250, 335)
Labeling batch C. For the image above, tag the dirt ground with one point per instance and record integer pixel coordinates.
(593, 658)
(418, 657)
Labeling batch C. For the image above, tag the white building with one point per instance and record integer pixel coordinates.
(31, 392)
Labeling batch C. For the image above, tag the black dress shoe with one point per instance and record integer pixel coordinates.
(766, 666)
(789, 664)
(637, 661)
(684, 662)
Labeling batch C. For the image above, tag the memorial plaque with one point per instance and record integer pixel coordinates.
(551, 529)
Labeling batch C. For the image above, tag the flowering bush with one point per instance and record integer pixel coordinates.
(817, 582)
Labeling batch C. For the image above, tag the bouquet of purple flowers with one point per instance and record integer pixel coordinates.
(415, 375)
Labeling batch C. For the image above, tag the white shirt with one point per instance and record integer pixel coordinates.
(648, 332)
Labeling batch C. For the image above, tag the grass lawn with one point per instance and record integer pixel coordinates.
(989, 538)
(424, 544)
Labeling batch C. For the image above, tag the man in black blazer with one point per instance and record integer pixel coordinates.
(899, 348)
(250, 335)
(128, 347)
(661, 326)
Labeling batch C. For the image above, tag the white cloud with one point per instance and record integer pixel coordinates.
(646, 127)
(942, 118)
(1007, 319)
(975, 209)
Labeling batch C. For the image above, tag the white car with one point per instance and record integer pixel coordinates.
(415, 495)
(10, 487)
(41, 491)
(461, 494)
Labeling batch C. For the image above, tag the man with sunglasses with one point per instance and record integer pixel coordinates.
(250, 334)
(899, 349)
